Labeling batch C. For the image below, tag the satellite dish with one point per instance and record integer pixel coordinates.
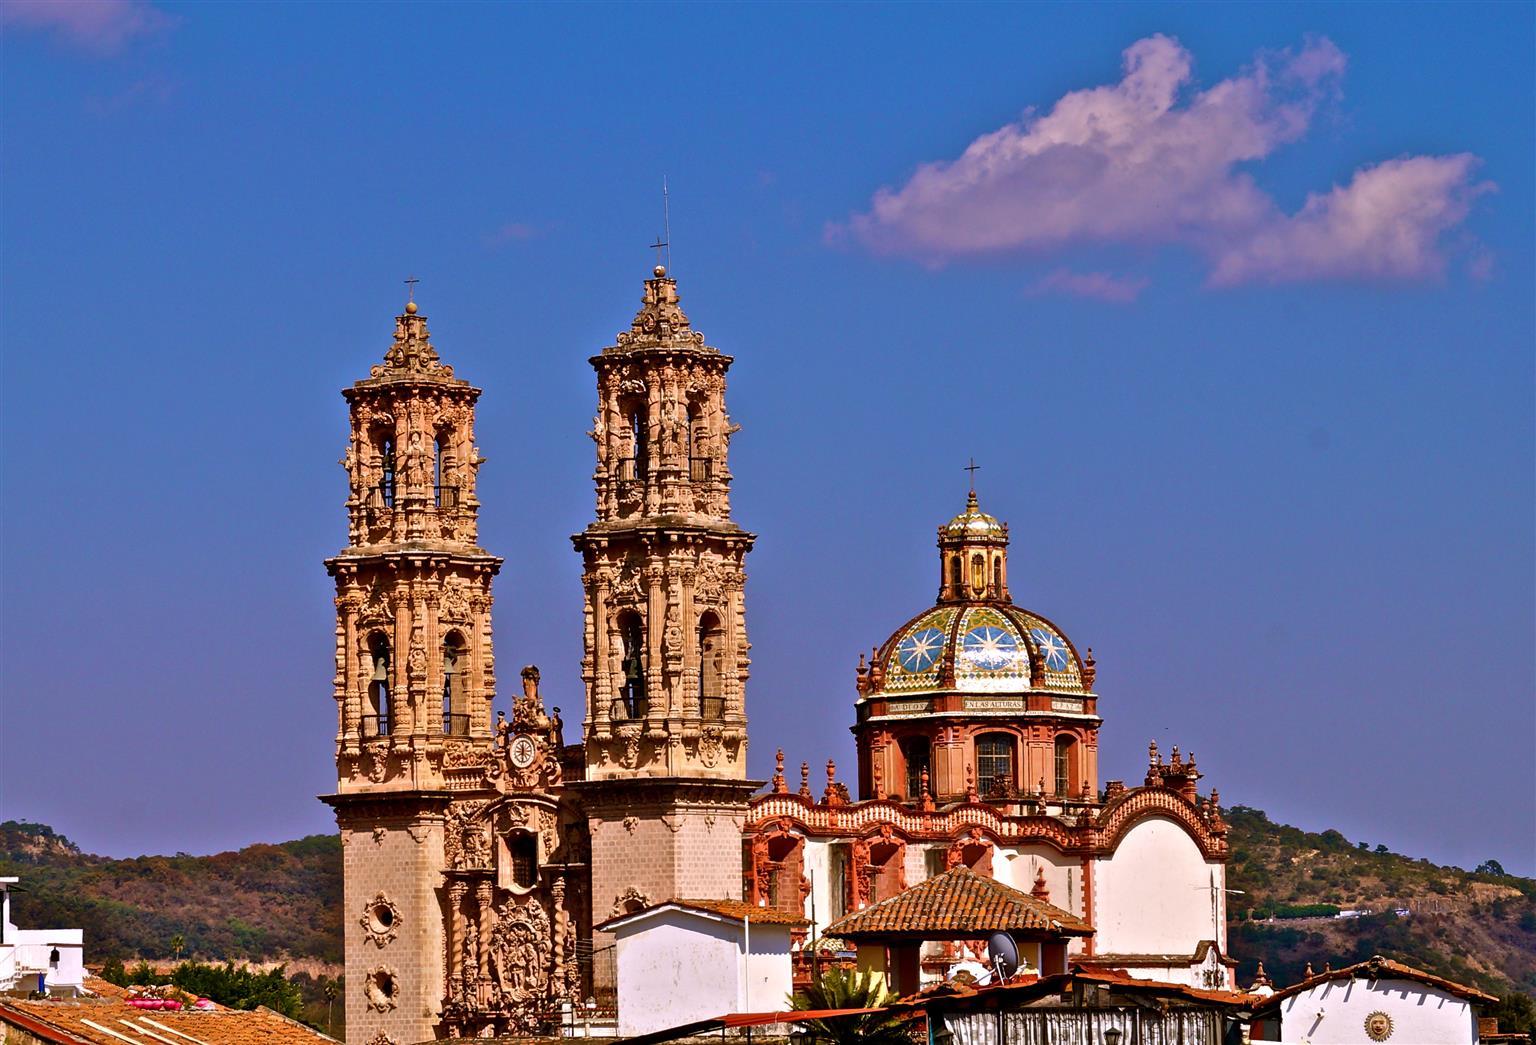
(1003, 953)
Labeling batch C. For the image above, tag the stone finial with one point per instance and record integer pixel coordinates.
(877, 776)
(876, 672)
(1307, 973)
(1260, 979)
(971, 794)
(1176, 763)
(805, 780)
(1153, 758)
(1041, 891)
(1087, 792)
(861, 676)
(835, 794)
(925, 796)
(779, 787)
(412, 347)
(1327, 966)
(1090, 670)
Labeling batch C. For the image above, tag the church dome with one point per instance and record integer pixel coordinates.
(979, 647)
(976, 640)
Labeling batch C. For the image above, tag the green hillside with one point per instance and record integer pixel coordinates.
(1476, 927)
(262, 902)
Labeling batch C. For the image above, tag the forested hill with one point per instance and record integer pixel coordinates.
(1476, 927)
(264, 901)
(283, 901)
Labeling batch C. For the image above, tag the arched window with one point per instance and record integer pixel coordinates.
(641, 442)
(914, 752)
(376, 716)
(711, 667)
(997, 576)
(632, 703)
(440, 495)
(978, 573)
(523, 848)
(955, 581)
(994, 763)
(387, 470)
(455, 706)
(1064, 765)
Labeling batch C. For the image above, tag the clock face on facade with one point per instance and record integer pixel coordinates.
(522, 750)
(1378, 1026)
(920, 650)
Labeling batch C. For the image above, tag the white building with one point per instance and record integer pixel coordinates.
(1375, 1001)
(49, 960)
(683, 961)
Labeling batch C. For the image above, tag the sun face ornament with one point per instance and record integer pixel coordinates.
(1378, 1026)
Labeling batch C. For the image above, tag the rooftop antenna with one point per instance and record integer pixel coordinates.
(664, 241)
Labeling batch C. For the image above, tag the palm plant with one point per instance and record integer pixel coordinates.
(846, 989)
(177, 943)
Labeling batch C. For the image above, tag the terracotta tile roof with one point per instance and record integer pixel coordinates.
(111, 1021)
(959, 904)
(736, 910)
(1379, 968)
(740, 910)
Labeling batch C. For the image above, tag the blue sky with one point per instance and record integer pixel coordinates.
(1242, 341)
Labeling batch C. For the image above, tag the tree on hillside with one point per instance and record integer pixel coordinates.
(177, 943)
(1492, 867)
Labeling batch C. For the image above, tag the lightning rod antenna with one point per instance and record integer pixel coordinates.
(666, 218)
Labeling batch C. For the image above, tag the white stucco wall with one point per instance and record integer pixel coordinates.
(1156, 894)
(1334, 1013)
(25, 953)
(676, 967)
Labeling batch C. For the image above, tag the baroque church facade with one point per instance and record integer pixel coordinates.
(480, 850)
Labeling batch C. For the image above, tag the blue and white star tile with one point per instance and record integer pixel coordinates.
(1052, 649)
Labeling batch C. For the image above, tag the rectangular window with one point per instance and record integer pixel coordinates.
(994, 763)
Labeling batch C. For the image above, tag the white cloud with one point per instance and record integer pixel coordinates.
(1135, 163)
(100, 26)
(1101, 286)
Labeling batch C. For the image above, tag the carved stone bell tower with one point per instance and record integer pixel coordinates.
(665, 659)
(414, 674)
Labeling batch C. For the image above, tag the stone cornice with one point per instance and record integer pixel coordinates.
(412, 555)
(384, 804)
(629, 792)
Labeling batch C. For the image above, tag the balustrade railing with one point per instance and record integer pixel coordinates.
(373, 726)
(712, 709)
(456, 725)
(626, 709)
